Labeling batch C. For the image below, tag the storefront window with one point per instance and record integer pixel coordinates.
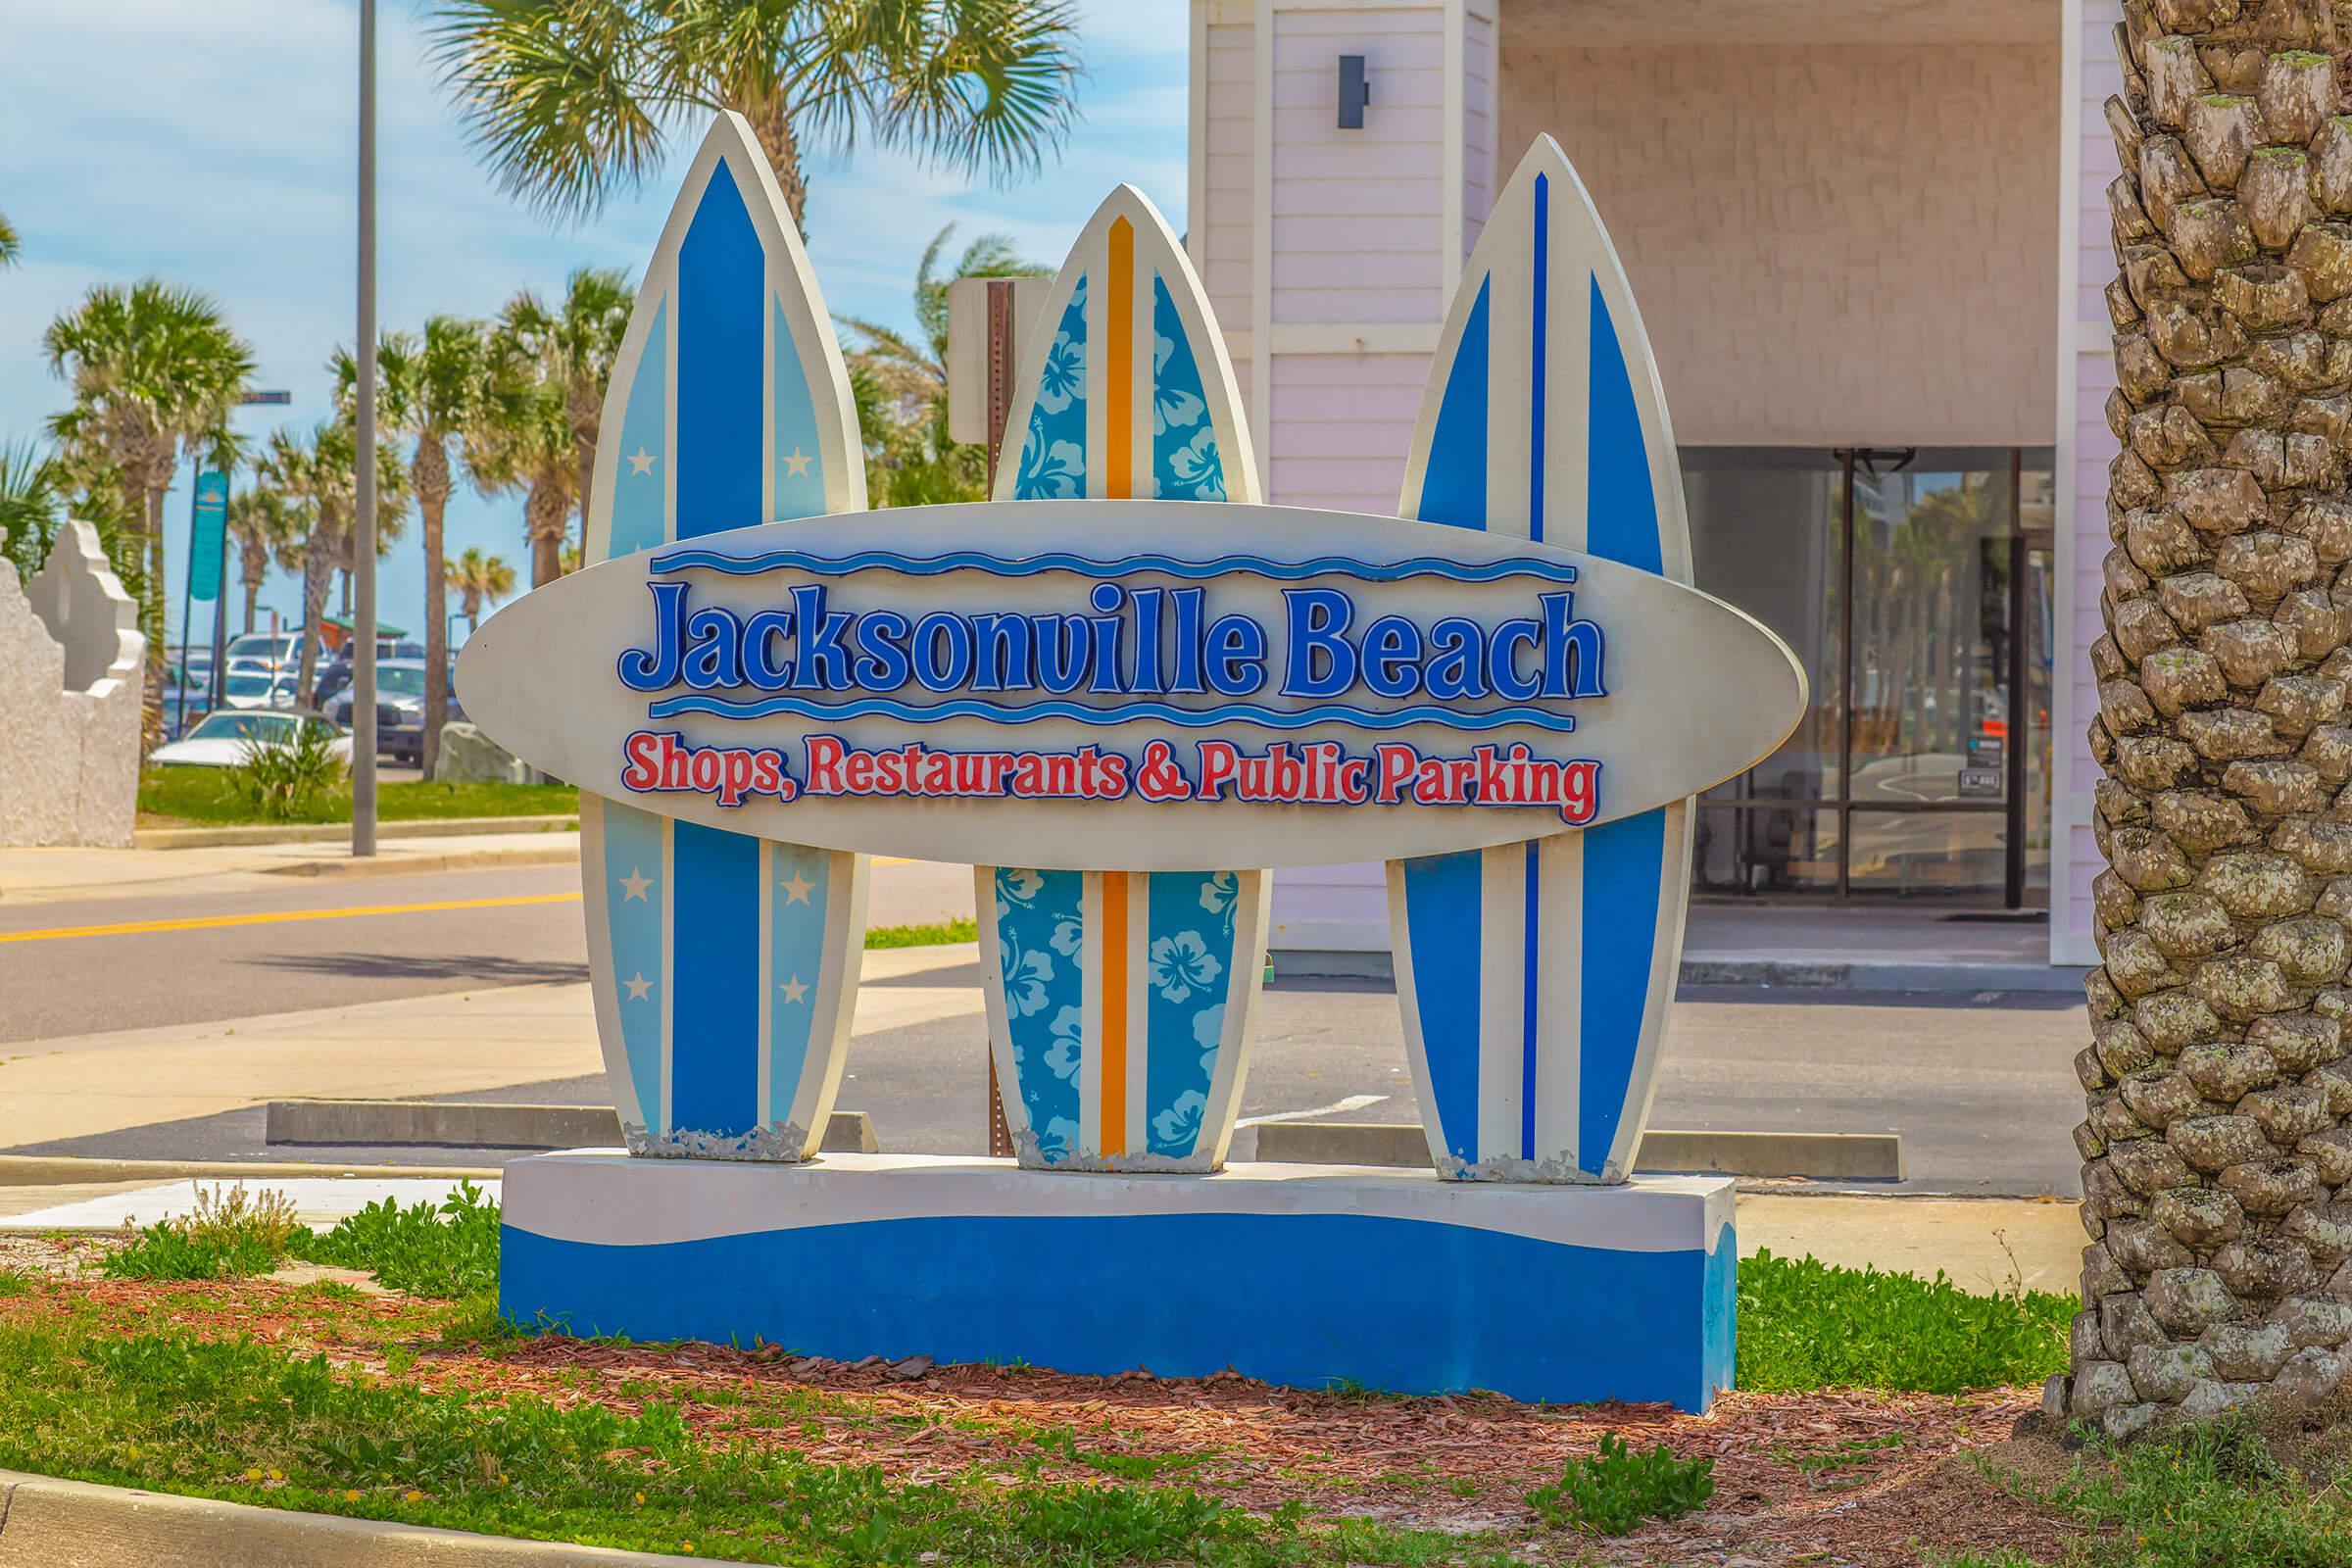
(1920, 765)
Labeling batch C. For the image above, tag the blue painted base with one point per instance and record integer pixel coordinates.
(1301, 1275)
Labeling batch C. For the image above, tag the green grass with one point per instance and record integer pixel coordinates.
(1806, 1325)
(1615, 1492)
(208, 797)
(934, 935)
(2211, 1496)
(250, 1423)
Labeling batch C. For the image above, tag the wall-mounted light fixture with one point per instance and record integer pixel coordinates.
(1354, 93)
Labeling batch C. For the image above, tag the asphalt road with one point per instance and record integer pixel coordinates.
(1980, 1089)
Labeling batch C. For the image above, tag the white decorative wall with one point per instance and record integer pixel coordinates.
(70, 668)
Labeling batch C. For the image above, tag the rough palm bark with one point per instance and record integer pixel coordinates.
(2217, 1183)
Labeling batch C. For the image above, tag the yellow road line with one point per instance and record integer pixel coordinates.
(207, 922)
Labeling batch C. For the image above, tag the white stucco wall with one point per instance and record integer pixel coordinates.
(70, 658)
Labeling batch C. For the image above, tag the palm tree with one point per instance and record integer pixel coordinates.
(572, 100)
(2220, 1123)
(572, 348)
(477, 577)
(155, 372)
(319, 475)
(525, 442)
(437, 389)
(901, 383)
(9, 248)
(263, 520)
(32, 504)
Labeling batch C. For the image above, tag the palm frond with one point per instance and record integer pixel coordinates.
(10, 247)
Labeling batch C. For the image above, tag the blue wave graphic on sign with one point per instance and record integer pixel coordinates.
(1120, 714)
(674, 561)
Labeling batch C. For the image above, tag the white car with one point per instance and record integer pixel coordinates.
(223, 739)
(246, 689)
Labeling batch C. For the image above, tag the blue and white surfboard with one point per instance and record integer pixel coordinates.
(1119, 1001)
(725, 966)
(1535, 977)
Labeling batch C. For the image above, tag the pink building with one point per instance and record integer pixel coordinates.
(1868, 243)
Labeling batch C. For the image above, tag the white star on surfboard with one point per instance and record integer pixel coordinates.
(794, 990)
(796, 891)
(636, 882)
(641, 461)
(795, 464)
(638, 986)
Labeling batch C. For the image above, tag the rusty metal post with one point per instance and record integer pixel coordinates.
(1000, 405)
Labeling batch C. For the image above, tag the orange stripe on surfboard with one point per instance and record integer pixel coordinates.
(1115, 1012)
(1118, 424)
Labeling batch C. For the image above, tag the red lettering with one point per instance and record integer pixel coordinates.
(824, 753)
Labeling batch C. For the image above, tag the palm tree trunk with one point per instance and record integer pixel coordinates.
(2219, 1136)
(431, 479)
(544, 512)
(771, 123)
(151, 621)
(316, 574)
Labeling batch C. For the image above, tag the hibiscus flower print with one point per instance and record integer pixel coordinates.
(1056, 1141)
(1172, 404)
(1026, 972)
(1050, 470)
(1182, 964)
(1069, 935)
(1175, 1130)
(1219, 892)
(1208, 1033)
(1064, 1056)
(1062, 380)
(1197, 473)
(1019, 888)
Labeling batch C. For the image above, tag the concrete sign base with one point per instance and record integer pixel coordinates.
(1297, 1274)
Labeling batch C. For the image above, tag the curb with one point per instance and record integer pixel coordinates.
(59, 1171)
(1822, 1156)
(46, 1523)
(489, 1124)
(202, 838)
(1757, 970)
(564, 854)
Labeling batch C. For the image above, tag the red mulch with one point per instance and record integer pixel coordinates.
(1904, 1475)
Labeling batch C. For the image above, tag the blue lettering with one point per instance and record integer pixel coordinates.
(1502, 658)
(1147, 640)
(1571, 649)
(928, 668)
(714, 649)
(1188, 640)
(1318, 623)
(823, 661)
(1392, 657)
(882, 650)
(1005, 661)
(649, 670)
(1062, 650)
(1454, 659)
(760, 633)
(1237, 656)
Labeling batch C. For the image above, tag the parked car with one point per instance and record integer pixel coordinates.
(223, 739)
(399, 708)
(274, 649)
(335, 673)
(245, 689)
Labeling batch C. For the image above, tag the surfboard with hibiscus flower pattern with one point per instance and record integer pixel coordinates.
(1119, 1001)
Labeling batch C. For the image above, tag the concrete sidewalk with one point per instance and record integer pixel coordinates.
(73, 875)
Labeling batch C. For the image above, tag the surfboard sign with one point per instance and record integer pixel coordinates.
(1119, 1001)
(1116, 685)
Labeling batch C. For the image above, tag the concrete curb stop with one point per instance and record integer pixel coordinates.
(46, 1523)
(65, 1171)
(487, 1124)
(565, 851)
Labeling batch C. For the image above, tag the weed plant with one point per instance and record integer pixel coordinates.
(1805, 1324)
(232, 1231)
(929, 935)
(448, 1249)
(285, 781)
(1615, 1491)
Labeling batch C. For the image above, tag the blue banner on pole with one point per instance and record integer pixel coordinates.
(204, 536)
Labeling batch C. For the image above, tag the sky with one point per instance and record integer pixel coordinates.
(214, 146)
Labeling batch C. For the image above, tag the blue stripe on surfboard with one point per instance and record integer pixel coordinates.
(797, 949)
(1453, 478)
(1053, 464)
(1539, 362)
(1446, 892)
(799, 494)
(1181, 1033)
(633, 838)
(1186, 461)
(1041, 940)
(1624, 860)
(715, 1005)
(1531, 969)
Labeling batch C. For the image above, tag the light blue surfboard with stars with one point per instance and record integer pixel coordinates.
(1535, 977)
(724, 966)
(1119, 1001)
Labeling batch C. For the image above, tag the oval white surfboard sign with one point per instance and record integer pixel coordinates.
(1107, 685)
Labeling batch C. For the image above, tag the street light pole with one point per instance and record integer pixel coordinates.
(362, 544)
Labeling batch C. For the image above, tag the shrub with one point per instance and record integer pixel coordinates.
(285, 781)
(448, 1251)
(1614, 1490)
(1804, 1324)
(230, 1230)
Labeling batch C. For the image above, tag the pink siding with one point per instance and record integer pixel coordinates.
(1478, 128)
(1342, 425)
(1228, 150)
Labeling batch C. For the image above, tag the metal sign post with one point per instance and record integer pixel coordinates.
(362, 544)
